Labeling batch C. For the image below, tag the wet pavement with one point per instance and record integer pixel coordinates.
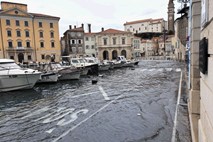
(126, 105)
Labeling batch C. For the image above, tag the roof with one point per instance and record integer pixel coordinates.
(88, 34)
(43, 15)
(79, 29)
(142, 21)
(14, 3)
(113, 31)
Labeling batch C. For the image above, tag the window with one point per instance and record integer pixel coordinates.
(26, 23)
(28, 44)
(123, 41)
(18, 33)
(51, 25)
(74, 49)
(8, 22)
(93, 47)
(27, 33)
(40, 24)
(52, 34)
(105, 41)
(41, 34)
(10, 44)
(42, 56)
(41, 44)
(79, 41)
(73, 41)
(114, 41)
(17, 23)
(52, 44)
(87, 38)
(9, 34)
(87, 46)
(29, 57)
(19, 43)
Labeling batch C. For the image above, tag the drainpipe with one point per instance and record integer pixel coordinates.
(2, 40)
(189, 43)
(34, 38)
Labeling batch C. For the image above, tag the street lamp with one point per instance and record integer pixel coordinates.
(164, 40)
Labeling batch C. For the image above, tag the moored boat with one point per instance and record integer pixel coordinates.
(13, 77)
(66, 72)
(48, 77)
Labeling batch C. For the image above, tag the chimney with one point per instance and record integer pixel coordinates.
(70, 27)
(102, 29)
(89, 28)
(82, 25)
(75, 27)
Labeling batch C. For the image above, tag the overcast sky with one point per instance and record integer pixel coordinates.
(99, 13)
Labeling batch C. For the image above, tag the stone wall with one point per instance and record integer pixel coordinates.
(206, 84)
(194, 100)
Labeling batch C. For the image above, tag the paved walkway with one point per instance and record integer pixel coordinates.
(183, 133)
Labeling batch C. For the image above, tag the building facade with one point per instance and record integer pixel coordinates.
(112, 43)
(201, 78)
(28, 37)
(145, 26)
(137, 47)
(90, 44)
(73, 42)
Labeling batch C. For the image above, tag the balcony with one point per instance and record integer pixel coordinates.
(14, 49)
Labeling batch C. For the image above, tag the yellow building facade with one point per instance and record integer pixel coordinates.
(28, 37)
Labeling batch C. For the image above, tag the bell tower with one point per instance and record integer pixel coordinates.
(171, 11)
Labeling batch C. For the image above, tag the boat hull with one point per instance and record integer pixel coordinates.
(17, 82)
(103, 67)
(48, 78)
(72, 75)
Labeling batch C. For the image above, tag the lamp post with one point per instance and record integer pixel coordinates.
(164, 41)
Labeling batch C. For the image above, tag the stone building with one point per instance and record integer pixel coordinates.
(137, 47)
(201, 74)
(26, 36)
(72, 42)
(148, 46)
(90, 43)
(145, 26)
(112, 43)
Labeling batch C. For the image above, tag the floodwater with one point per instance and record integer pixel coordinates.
(126, 105)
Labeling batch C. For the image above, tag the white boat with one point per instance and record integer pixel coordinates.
(117, 64)
(87, 64)
(13, 77)
(66, 72)
(48, 77)
(103, 66)
(128, 64)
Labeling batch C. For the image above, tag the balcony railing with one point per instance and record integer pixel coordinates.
(19, 49)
